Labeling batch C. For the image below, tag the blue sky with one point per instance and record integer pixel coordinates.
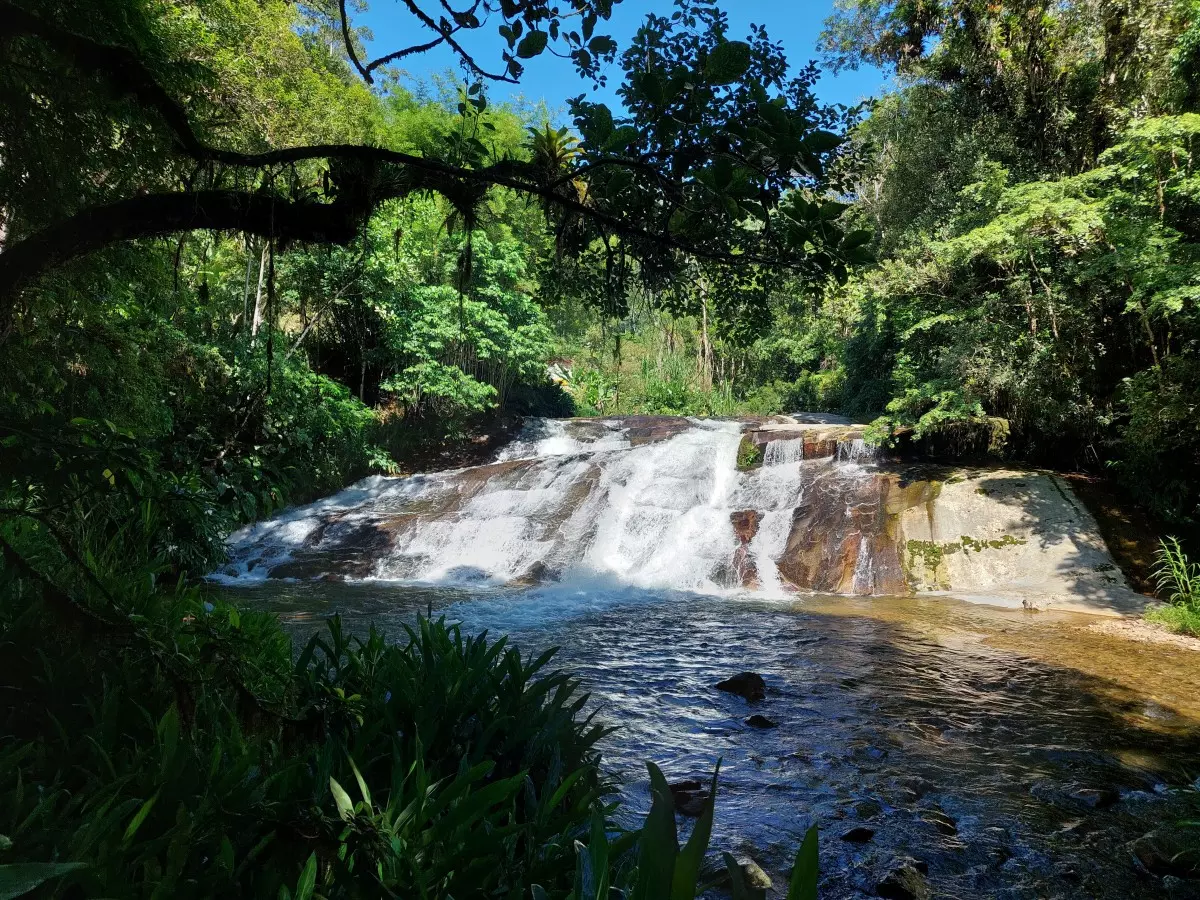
(794, 23)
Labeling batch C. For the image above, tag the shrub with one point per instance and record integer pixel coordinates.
(1174, 573)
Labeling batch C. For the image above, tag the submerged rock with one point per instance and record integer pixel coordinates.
(860, 834)
(747, 685)
(690, 797)
(1167, 851)
(1074, 796)
(868, 809)
(538, 573)
(941, 821)
(906, 881)
(757, 721)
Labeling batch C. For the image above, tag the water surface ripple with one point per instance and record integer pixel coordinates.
(966, 737)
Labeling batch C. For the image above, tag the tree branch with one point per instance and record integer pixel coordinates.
(159, 215)
(365, 71)
(350, 43)
(454, 45)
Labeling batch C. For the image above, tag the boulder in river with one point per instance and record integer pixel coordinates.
(747, 685)
(905, 881)
(757, 721)
(860, 834)
(690, 797)
(755, 876)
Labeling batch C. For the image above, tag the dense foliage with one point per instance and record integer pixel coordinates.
(1029, 185)
(1031, 189)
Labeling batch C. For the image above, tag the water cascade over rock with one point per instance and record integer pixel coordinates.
(771, 507)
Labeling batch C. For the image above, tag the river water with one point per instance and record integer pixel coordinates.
(1015, 754)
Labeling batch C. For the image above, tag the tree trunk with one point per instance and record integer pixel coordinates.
(256, 322)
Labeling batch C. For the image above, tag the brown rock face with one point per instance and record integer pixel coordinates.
(820, 441)
(649, 429)
(745, 524)
(844, 537)
(745, 527)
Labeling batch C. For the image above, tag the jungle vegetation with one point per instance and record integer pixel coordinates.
(243, 264)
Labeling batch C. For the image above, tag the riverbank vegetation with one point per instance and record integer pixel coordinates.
(242, 265)
(1178, 582)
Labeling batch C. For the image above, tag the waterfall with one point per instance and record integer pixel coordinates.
(655, 502)
(856, 451)
(782, 453)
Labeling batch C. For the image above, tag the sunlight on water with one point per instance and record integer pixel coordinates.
(970, 738)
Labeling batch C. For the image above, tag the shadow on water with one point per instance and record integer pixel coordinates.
(940, 727)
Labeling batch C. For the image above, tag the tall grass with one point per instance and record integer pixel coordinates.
(1178, 579)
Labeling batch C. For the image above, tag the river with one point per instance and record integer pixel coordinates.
(1012, 753)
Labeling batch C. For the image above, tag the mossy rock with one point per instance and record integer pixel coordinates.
(749, 456)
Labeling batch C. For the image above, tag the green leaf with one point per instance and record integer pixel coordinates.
(728, 62)
(687, 867)
(803, 884)
(599, 123)
(598, 856)
(140, 817)
(821, 141)
(622, 138)
(168, 737)
(308, 879)
(659, 842)
(362, 784)
(532, 44)
(21, 878)
(345, 806)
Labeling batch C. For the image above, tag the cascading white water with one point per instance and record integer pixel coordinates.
(782, 453)
(644, 505)
(856, 451)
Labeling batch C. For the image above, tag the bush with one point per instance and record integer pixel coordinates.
(1179, 619)
(156, 743)
(810, 392)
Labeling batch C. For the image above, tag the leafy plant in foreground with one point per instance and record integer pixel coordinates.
(1179, 578)
(659, 869)
(1175, 573)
